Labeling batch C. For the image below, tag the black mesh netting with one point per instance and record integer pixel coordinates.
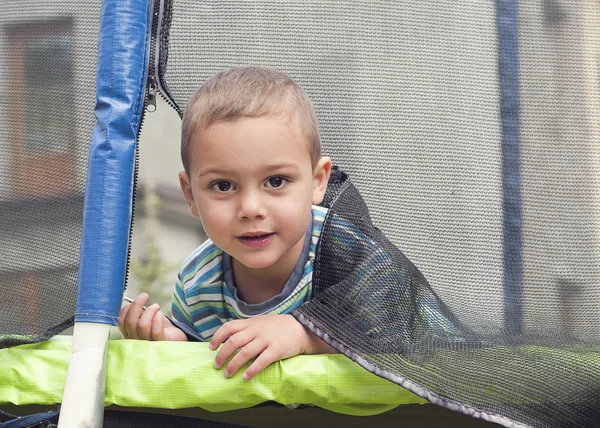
(472, 130)
(47, 81)
(374, 305)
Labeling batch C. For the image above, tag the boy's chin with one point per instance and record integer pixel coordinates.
(256, 262)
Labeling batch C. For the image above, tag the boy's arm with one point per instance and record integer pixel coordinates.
(268, 338)
(316, 345)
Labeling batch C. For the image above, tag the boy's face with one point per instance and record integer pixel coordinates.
(252, 184)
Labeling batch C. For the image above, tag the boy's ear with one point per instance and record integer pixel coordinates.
(186, 188)
(320, 179)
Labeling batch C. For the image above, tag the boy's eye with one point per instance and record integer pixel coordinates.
(223, 186)
(276, 182)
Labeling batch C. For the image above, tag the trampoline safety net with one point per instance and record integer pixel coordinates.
(47, 80)
(471, 130)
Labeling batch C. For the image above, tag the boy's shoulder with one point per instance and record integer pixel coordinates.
(206, 256)
(318, 218)
(319, 212)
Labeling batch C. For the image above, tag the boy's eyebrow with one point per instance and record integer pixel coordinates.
(264, 169)
(278, 166)
(212, 171)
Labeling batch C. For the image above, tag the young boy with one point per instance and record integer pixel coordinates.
(253, 172)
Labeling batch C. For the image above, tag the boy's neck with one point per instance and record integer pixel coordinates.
(259, 285)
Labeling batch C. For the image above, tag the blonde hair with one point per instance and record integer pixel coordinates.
(250, 91)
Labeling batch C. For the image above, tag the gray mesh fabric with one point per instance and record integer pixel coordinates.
(500, 217)
(407, 98)
(47, 81)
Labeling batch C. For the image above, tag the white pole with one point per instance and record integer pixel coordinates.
(83, 397)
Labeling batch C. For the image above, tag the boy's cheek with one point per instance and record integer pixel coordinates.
(295, 203)
(212, 212)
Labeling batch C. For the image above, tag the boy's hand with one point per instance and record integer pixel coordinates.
(135, 322)
(270, 338)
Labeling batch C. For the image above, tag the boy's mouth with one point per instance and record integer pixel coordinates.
(256, 239)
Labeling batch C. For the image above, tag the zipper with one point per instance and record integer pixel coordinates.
(154, 79)
(149, 104)
(153, 87)
(150, 101)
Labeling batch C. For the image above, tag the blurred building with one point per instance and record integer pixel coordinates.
(47, 85)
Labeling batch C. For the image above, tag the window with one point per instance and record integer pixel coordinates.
(42, 133)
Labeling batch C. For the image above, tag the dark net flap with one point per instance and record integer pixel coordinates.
(375, 306)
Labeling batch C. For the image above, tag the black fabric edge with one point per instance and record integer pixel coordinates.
(17, 339)
(37, 420)
(405, 383)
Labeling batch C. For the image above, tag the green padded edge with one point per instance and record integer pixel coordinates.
(178, 375)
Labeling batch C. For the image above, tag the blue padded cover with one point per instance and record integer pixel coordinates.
(121, 76)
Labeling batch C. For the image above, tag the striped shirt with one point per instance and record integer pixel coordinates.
(205, 296)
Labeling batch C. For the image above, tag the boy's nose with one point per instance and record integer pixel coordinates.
(251, 206)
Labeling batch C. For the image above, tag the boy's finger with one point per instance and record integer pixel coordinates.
(248, 352)
(226, 330)
(144, 324)
(262, 362)
(158, 326)
(235, 342)
(122, 315)
(141, 300)
(133, 315)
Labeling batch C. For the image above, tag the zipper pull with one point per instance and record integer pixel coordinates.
(151, 95)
